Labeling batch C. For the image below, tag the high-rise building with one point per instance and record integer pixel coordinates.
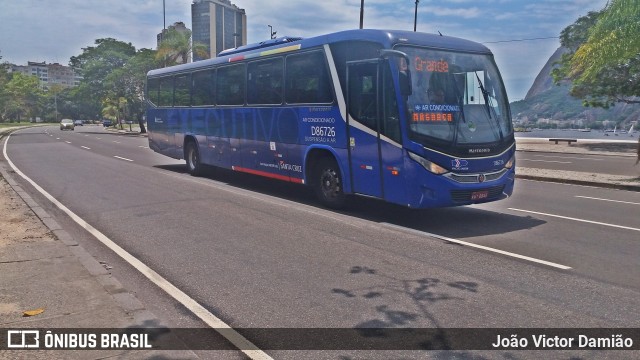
(177, 26)
(218, 24)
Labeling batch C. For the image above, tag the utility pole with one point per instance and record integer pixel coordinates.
(415, 18)
(361, 13)
(164, 17)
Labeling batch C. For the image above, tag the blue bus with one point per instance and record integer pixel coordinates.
(415, 119)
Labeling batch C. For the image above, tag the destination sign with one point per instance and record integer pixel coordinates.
(429, 65)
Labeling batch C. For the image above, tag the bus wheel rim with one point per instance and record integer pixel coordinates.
(330, 183)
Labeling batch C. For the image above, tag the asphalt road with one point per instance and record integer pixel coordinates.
(261, 253)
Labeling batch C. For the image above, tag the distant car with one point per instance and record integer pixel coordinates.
(66, 124)
(107, 123)
(78, 123)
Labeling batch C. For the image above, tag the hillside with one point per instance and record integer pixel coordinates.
(549, 105)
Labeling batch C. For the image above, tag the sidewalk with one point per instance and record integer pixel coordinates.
(626, 148)
(42, 268)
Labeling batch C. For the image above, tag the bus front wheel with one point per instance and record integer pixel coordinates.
(328, 184)
(192, 157)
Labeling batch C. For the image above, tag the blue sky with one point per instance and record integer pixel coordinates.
(53, 31)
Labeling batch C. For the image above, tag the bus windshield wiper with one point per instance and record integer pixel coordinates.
(485, 95)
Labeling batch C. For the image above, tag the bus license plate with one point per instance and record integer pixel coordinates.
(478, 195)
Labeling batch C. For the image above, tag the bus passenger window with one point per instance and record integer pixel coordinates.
(265, 82)
(153, 85)
(308, 80)
(165, 93)
(182, 96)
(203, 88)
(230, 85)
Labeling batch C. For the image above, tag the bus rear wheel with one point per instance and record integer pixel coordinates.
(328, 184)
(192, 157)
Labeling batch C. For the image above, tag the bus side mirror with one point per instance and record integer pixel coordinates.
(405, 83)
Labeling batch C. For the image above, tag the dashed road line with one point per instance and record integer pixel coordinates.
(122, 158)
(610, 200)
(576, 219)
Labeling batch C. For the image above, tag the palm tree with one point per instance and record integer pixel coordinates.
(176, 47)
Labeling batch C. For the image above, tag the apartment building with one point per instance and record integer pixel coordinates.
(49, 74)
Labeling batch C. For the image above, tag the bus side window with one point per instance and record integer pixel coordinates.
(182, 96)
(203, 88)
(230, 85)
(165, 92)
(153, 85)
(265, 82)
(308, 80)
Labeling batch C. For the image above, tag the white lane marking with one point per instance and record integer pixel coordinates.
(84, 147)
(616, 201)
(502, 252)
(57, 138)
(117, 142)
(576, 219)
(144, 147)
(121, 158)
(568, 157)
(68, 142)
(225, 330)
(547, 161)
(99, 138)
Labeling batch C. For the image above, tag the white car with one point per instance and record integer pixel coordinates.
(66, 124)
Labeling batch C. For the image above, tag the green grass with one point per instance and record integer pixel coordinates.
(14, 124)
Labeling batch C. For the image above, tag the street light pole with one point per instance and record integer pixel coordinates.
(415, 18)
(272, 34)
(361, 13)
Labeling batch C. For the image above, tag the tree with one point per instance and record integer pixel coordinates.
(5, 76)
(176, 47)
(129, 81)
(95, 64)
(22, 94)
(604, 60)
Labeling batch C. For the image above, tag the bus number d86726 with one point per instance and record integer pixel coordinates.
(329, 131)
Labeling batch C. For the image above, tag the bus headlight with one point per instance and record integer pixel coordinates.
(431, 167)
(510, 163)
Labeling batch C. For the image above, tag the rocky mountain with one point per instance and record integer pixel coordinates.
(550, 105)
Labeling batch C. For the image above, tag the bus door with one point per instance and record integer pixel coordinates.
(375, 150)
(362, 120)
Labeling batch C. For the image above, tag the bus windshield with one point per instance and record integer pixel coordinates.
(457, 99)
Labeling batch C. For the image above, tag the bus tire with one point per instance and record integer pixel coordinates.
(192, 157)
(328, 184)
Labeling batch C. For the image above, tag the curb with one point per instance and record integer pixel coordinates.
(578, 153)
(580, 182)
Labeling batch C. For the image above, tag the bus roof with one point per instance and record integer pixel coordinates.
(387, 38)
